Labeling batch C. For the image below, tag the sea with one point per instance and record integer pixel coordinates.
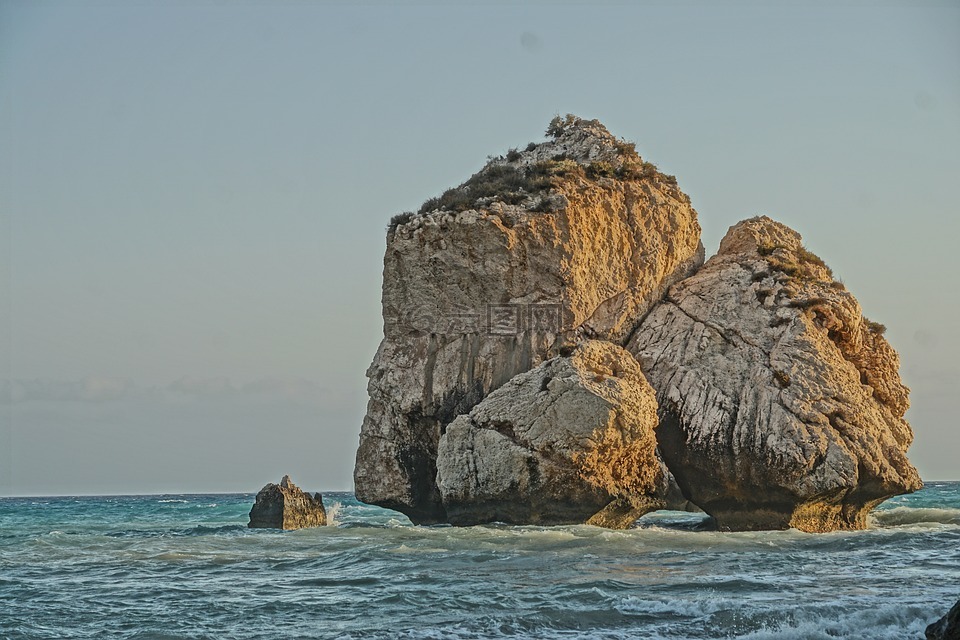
(186, 566)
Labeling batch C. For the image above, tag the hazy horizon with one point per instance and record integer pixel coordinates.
(193, 199)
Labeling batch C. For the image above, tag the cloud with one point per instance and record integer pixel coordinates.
(98, 389)
(203, 387)
(90, 389)
(280, 387)
(292, 388)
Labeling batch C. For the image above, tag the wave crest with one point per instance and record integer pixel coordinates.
(333, 514)
(899, 516)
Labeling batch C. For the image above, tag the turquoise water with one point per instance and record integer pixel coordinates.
(186, 566)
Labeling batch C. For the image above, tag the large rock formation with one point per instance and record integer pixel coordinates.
(780, 404)
(573, 237)
(947, 627)
(570, 440)
(286, 506)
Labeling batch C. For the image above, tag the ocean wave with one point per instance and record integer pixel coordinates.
(886, 622)
(673, 621)
(199, 530)
(334, 512)
(361, 581)
(194, 572)
(202, 530)
(173, 556)
(899, 516)
(664, 609)
(181, 501)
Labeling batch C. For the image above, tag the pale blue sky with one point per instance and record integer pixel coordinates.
(194, 197)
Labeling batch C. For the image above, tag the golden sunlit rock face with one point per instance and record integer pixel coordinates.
(575, 237)
(501, 390)
(557, 445)
(780, 404)
(286, 506)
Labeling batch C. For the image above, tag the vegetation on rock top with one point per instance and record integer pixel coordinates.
(527, 178)
(796, 263)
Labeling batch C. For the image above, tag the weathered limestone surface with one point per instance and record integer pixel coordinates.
(472, 298)
(780, 404)
(570, 441)
(285, 506)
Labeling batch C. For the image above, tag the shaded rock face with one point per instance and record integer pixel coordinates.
(476, 293)
(780, 404)
(569, 441)
(285, 506)
(947, 627)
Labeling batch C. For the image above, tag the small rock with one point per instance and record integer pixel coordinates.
(285, 506)
(947, 627)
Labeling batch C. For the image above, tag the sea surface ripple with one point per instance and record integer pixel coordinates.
(186, 566)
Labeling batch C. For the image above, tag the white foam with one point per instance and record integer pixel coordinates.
(911, 515)
(689, 608)
(333, 514)
(885, 622)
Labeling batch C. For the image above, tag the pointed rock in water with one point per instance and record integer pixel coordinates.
(570, 441)
(574, 237)
(780, 404)
(285, 506)
(947, 627)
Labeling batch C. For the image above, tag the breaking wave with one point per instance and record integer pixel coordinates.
(899, 516)
(135, 567)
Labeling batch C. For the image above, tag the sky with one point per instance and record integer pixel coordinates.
(194, 195)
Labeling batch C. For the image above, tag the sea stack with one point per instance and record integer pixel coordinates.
(556, 351)
(780, 404)
(285, 506)
(576, 237)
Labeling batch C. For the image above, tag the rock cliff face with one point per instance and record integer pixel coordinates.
(285, 506)
(575, 237)
(780, 404)
(568, 441)
(947, 627)
(501, 391)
